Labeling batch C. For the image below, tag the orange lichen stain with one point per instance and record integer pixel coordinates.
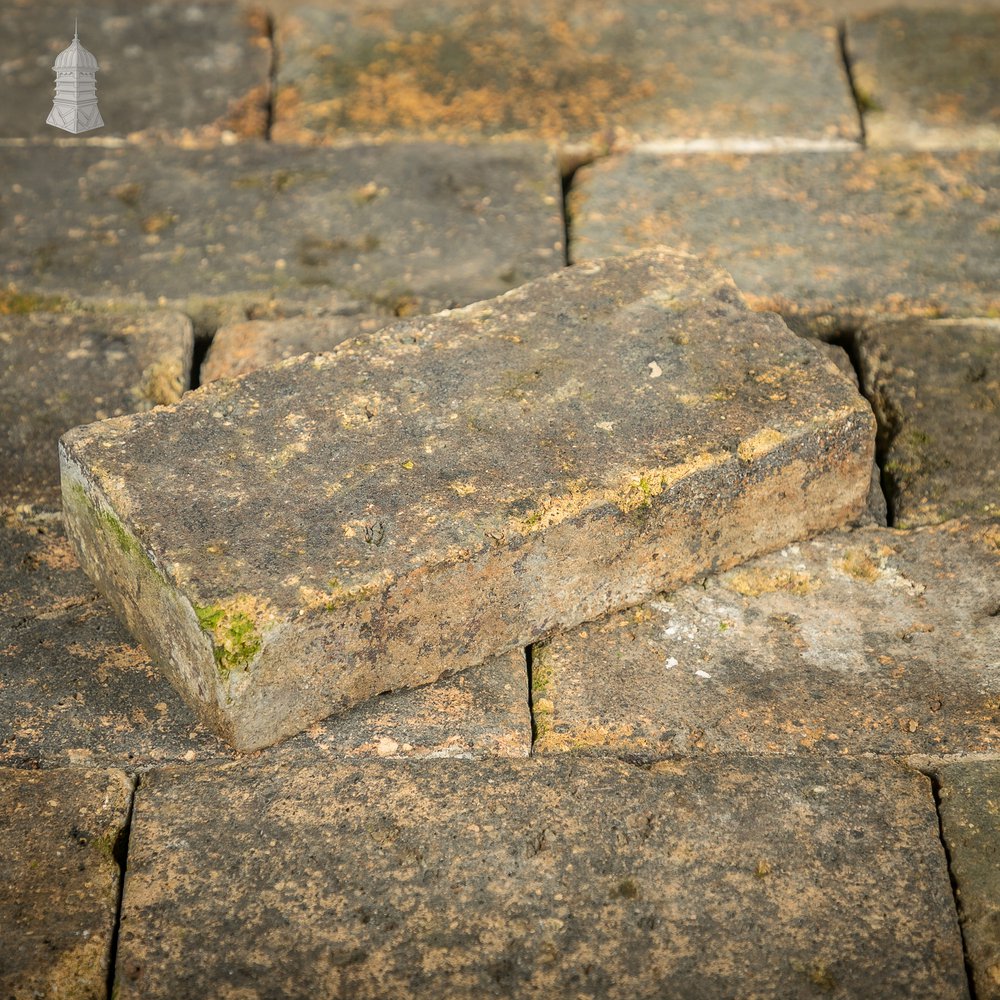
(860, 565)
(754, 582)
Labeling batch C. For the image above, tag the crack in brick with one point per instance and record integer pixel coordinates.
(119, 853)
(936, 791)
(860, 103)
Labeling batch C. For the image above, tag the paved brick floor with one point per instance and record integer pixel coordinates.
(781, 780)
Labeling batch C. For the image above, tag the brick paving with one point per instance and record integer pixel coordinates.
(777, 780)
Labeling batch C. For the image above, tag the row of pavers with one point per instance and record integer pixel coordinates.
(589, 75)
(624, 886)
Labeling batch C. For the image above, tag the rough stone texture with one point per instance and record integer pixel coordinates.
(868, 642)
(844, 233)
(242, 347)
(59, 880)
(354, 522)
(584, 72)
(929, 79)
(195, 68)
(411, 226)
(935, 387)
(970, 822)
(558, 877)
(77, 690)
(61, 370)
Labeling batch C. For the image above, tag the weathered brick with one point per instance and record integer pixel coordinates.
(58, 370)
(561, 877)
(969, 795)
(59, 880)
(413, 227)
(300, 539)
(935, 386)
(78, 690)
(167, 68)
(238, 348)
(845, 234)
(866, 642)
(582, 72)
(928, 79)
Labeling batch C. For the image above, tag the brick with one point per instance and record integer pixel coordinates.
(842, 235)
(557, 877)
(969, 803)
(582, 73)
(77, 690)
(238, 348)
(935, 386)
(411, 227)
(59, 879)
(459, 485)
(928, 79)
(63, 369)
(865, 642)
(193, 69)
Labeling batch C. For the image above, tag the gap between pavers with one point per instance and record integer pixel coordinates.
(935, 388)
(559, 877)
(353, 523)
(866, 642)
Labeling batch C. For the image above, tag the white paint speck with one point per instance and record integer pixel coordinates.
(670, 664)
(701, 673)
(655, 371)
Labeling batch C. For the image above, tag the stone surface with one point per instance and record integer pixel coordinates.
(581, 72)
(970, 823)
(411, 226)
(59, 880)
(558, 877)
(76, 689)
(928, 79)
(866, 642)
(61, 370)
(459, 485)
(840, 233)
(239, 348)
(935, 387)
(198, 68)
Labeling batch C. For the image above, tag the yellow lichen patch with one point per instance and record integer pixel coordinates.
(463, 489)
(639, 488)
(860, 565)
(759, 444)
(237, 628)
(585, 736)
(553, 510)
(754, 582)
(162, 383)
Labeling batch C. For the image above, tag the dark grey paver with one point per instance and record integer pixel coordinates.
(866, 642)
(935, 387)
(554, 877)
(970, 823)
(76, 689)
(58, 370)
(928, 78)
(198, 67)
(241, 347)
(459, 485)
(845, 234)
(59, 880)
(413, 226)
(580, 72)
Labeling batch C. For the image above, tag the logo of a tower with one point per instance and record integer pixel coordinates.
(75, 106)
